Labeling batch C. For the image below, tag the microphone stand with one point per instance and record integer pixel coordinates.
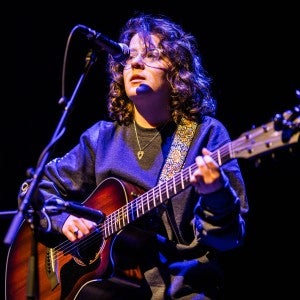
(27, 208)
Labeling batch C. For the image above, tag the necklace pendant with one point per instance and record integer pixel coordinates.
(140, 154)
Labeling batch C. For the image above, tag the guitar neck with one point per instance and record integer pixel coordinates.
(156, 196)
(250, 144)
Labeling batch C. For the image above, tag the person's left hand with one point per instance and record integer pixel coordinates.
(208, 177)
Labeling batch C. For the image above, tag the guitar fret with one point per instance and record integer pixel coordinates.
(105, 229)
(174, 185)
(148, 202)
(138, 210)
(123, 218)
(145, 203)
(116, 222)
(154, 198)
(108, 227)
(167, 190)
(127, 217)
(159, 194)
(182, 180)
(119, 220)
(131, 215)
(219, 158)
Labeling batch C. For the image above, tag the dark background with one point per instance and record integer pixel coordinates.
(252, 54)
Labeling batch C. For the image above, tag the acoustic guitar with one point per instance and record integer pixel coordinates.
(60, 271)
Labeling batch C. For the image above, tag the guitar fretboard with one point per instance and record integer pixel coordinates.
(156, 196)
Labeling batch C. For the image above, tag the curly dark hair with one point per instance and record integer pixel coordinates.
(191, 95)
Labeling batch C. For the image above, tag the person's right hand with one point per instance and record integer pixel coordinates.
(75, 228)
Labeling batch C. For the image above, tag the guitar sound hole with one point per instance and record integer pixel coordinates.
(88, 250)
(85, 259)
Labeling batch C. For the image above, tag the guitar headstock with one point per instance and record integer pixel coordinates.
(282, 131)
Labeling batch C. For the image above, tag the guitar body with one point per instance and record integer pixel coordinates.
(58, 274)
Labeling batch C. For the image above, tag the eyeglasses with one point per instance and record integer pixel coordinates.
(149, 57)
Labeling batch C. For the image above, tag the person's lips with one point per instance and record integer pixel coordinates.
(136, 78)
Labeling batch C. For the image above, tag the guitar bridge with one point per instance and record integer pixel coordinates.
(51, 268)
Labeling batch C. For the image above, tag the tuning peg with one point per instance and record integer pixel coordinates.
(30, 172)
(278, 122)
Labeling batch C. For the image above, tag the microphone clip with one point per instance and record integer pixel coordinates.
(55, 206)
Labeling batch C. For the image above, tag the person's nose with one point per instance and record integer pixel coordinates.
(138, 61)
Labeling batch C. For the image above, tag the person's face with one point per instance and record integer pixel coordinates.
(144, 75)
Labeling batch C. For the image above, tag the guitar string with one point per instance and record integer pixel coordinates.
(110, 221)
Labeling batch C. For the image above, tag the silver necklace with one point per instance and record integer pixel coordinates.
(141, 151)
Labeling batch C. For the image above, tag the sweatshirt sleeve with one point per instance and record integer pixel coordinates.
(218, 220)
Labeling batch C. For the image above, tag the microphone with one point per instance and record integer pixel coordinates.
(119, 51)
(76, 209)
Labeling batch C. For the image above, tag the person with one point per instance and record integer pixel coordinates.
(159, 150)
